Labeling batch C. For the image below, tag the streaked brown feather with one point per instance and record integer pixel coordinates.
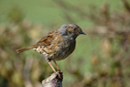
(50, 42)
(47, 40)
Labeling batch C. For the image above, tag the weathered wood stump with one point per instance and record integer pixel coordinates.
(54, 80)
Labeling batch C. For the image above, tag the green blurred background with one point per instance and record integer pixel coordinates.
(101, 58)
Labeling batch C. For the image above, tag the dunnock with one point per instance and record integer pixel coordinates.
(58, 44)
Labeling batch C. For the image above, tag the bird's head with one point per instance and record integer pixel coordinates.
(71, 30)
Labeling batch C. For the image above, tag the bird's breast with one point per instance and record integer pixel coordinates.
(65, 49)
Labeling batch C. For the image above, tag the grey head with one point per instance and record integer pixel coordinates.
(71, 30)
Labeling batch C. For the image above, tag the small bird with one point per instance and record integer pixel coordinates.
(58, 44)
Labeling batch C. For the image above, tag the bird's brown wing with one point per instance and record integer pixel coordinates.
(48, 39)
(50, 42)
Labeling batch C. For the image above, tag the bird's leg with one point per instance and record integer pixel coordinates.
(56, 65)
(51, 65)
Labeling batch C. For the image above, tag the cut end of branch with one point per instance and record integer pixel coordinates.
(55, 80)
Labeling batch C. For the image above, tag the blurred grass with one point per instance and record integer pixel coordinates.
(48, 13)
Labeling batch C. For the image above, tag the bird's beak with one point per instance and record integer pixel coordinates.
(82, 33)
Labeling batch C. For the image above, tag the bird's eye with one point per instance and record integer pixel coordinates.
(65, 26)
(75, 29)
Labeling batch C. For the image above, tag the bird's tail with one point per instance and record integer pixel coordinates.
(25, 48)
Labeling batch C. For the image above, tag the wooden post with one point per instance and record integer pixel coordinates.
(54, 80)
